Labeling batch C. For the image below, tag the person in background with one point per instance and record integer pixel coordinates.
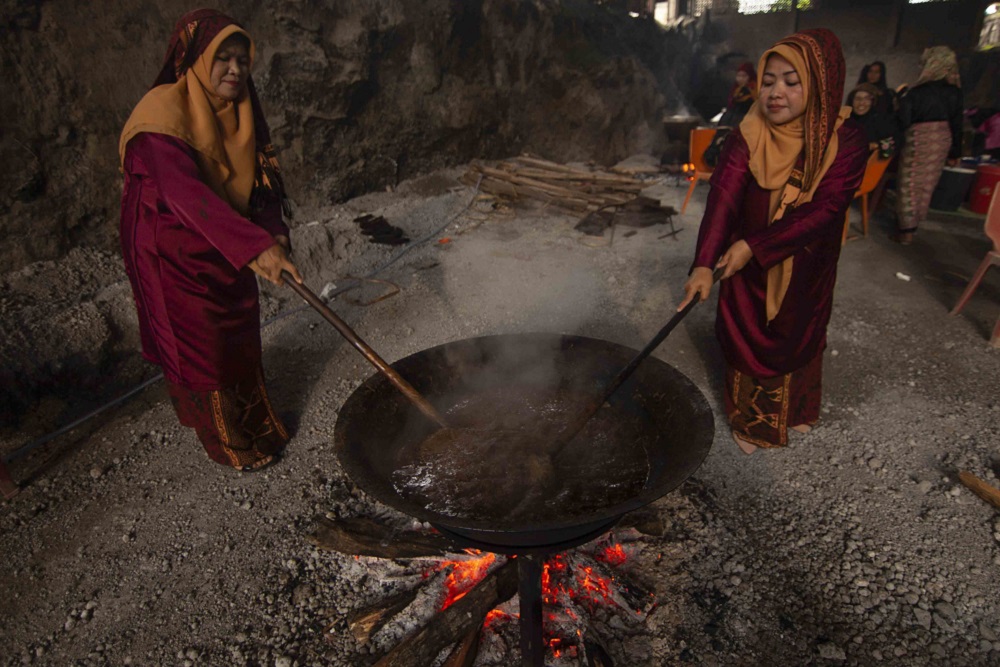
(879, 128)
(875, 74)
(741, 97)
(201, 214)
(987, 124)
(773, 223)
(930, 115)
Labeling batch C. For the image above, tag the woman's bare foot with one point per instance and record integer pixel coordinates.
(745, 447)
(802, 428)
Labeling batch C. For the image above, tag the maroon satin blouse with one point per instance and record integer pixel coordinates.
(186, 253)
(737, 208)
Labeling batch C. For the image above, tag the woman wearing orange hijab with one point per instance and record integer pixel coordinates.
(201, 214)
(773, 223)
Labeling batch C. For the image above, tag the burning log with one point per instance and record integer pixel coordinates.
(455, 622)
(360, 536)
(465, 653)
(597, 582)
(366, 622)
(985, 491)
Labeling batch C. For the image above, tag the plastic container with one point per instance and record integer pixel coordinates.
(987, 177)
(952, 188)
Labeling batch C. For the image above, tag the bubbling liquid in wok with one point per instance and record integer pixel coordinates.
(495, 463)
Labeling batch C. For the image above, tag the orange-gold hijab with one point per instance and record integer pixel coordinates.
(776, 150)
(221, 132)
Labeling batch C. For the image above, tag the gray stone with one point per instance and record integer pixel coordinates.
(946, 609)
(942, 623)
(830, 651)
(302, 594)
(923, 618)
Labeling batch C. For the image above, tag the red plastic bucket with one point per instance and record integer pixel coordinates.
(987, 177)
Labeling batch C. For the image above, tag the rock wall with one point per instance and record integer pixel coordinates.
(359, 94)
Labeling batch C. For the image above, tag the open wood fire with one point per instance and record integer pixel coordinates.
(466, 601)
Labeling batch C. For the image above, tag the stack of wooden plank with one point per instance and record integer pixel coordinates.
(573, 188)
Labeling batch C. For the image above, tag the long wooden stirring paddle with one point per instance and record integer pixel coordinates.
(378, 362)
(574, 427)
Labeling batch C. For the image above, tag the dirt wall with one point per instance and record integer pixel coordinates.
(359, 94)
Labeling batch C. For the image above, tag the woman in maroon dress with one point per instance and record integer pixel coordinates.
(201, 214)
(773, 222)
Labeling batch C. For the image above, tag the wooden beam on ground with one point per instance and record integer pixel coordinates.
(465, 652)
(366, 622)
(360, 536)
(546, 164)
(8, 487)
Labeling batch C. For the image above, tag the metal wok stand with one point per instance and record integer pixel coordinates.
(530, 563)
(529, 592)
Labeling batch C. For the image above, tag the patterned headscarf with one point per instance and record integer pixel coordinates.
(791, 159)
(937, 63)
(235, 153)
(866, 87)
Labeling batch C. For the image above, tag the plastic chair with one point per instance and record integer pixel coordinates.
(701, 137)
(874, 171)
(992, 229)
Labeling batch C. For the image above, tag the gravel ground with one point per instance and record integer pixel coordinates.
(855, 545)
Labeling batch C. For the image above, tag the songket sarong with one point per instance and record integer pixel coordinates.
(922, 159)
(760, 410)
(236, 425)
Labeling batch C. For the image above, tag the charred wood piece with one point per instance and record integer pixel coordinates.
(597, 655)
(378, 230)
(646, 520)
(625, 593)
(455, 622)
(360, 536)
(366, 622)
(466, 651)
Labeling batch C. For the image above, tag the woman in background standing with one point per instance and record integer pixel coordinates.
(930, 114)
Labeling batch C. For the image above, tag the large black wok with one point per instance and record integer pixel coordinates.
(378, 426)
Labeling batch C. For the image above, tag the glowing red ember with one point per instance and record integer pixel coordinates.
(465, 575)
